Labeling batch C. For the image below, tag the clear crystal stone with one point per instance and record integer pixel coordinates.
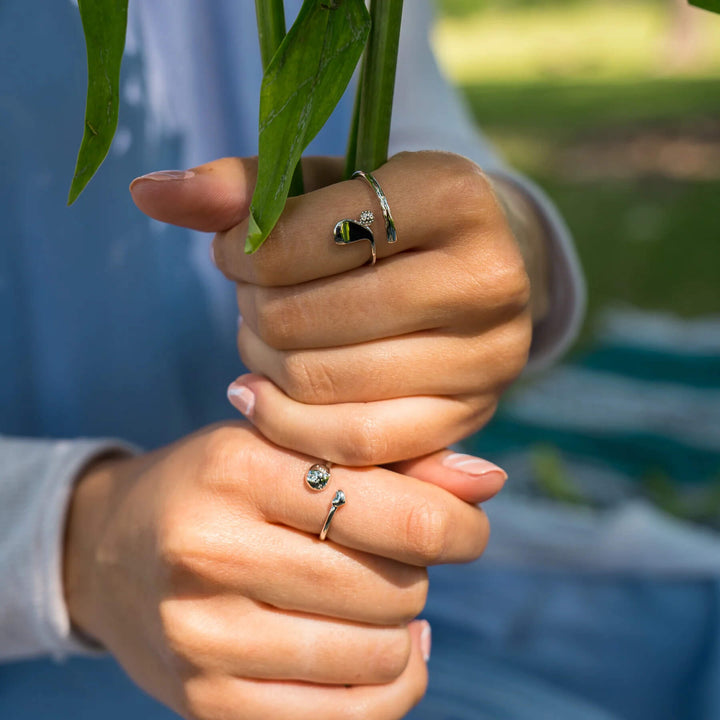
(366, 217)
(318, 476)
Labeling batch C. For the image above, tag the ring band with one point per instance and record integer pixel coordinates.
(390, 230)
(317, 477)
(337, 502)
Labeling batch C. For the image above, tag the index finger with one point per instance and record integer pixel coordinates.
(432, 196)
(385, 513)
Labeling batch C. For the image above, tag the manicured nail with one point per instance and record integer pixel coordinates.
(471, 465)
(166, 175)
(425, 640)
(242, 398)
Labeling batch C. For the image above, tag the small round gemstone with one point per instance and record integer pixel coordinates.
(366, 217)
(318, 476)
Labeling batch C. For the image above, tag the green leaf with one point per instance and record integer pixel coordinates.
(712, 5)
(301, 87)
(270, 16)
(104, 23)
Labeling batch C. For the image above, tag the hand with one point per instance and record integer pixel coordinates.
(198, 566)
(366, 365)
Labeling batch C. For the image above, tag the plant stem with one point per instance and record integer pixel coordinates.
(351, 152)
(271, 27)
(377, 83)
(270, 16)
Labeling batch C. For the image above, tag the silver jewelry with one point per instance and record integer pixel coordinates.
(337, 502)
(317, 477)
(390, 230)
(351, 231)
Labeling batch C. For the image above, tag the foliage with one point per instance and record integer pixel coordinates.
(713, 5)
(302, 85)
(305, 75)
(104, 24)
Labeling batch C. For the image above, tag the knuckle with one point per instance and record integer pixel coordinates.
(467, 189)
(508, 282)
(518, 348)
(182, 635)
(201, 700)
(483, 414)
(223, 453)
(364, 441)
(308, 378)
(411, 600)
(388, 659)
(426, 529)
(481, 538)
(279, 319)
(517, 285)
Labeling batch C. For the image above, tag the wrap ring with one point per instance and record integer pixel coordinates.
(337, 502)
(390, 230)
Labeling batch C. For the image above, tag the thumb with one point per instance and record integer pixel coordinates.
(216, 196)
(470, 478)
(211, 197)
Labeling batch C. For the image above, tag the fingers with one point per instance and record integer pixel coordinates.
(363, 433)
(215, 196)
(220, 697)
(235, 636)
(403, 294)
(469, 478)
(414, 364)
(319, 578)
(432, 196)
(385, 513)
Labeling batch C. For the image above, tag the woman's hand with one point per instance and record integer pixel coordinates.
(199, 567)
(367, 365)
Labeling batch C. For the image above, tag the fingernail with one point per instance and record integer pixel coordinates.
(240, 321)
(166, 175)
(471, 465)
(425, 640)
(242, 398)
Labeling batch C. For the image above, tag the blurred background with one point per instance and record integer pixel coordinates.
(613, 107)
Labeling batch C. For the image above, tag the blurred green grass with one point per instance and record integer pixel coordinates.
(632, 160)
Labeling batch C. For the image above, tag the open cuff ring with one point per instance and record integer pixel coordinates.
(351, 231)
(337, 502)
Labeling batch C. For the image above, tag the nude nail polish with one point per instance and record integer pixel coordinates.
(242, 398)
(471, 465)
(167, 175)
(426, 640)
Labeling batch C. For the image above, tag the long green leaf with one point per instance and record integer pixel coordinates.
(713, 5)
(105, 24)
(303, 84)
(270, 16)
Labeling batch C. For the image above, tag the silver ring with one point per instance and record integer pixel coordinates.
(351, 231)
(317, 477)
(390, 230)
(337, 502)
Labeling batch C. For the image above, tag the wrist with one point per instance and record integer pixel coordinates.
(88, 514)
(531, 235)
